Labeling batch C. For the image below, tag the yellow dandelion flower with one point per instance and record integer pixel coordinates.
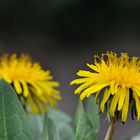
(118, 78)
(33, 85)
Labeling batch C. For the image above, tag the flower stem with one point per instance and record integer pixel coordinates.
(110, 131)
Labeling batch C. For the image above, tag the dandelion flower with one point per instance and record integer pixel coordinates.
(33, 85)
(117, 78)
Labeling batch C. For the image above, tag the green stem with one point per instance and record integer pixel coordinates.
(110, 131)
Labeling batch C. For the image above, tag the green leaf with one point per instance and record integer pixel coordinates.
(130, 139)
(62, 122)
(14, 124)
(65, 131)
(50, 131)
(136, 137)
(92, 112)
(83, 130)
(36, 122)
(58, 116)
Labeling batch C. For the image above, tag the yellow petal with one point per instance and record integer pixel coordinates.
(105, 99)
(137, 102)
(84, 86)
(95, 68)
(104, 66)
(50, 83)
(114, 104)
(122, 92)
(25, 88)
(86, 73)
(137, 90)
(95, 88)
(36, 87)
(113, 87)
(96, 96)
(41, 106)
(92, 90)
(125, 107)
(8, 80)
(79, 81)
(32, 104)
(17, 86)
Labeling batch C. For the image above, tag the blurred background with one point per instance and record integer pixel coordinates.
(65, 34)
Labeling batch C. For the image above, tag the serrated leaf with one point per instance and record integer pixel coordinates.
(50, 131)
(92, 112)
(83, 130)
(14, 124)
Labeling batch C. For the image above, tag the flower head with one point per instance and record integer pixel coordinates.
(33, 85)
(118, 78)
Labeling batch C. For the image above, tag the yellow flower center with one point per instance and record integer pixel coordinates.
(121, 71)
